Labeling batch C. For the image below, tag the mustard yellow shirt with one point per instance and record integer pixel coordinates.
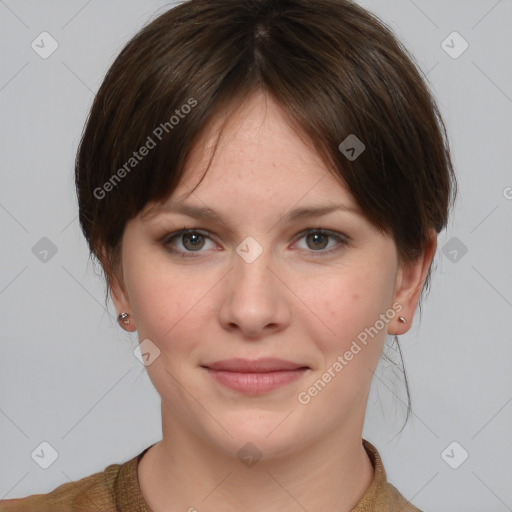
(117, 490)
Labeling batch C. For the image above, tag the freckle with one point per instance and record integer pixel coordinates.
(355, 296)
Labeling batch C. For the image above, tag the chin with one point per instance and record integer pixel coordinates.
(258, 434)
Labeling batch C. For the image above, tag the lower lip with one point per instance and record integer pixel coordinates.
(256, 383)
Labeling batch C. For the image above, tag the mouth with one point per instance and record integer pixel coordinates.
(255, 376)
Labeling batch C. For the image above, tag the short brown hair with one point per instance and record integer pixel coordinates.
(335, 69)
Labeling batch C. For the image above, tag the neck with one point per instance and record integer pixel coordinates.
(186, 472)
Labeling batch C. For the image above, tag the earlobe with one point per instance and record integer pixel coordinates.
(408, 285)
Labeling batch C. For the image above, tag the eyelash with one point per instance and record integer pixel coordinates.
(342, 241)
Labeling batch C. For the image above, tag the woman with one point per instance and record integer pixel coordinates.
(263, 183)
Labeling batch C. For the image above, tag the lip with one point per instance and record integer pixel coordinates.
(255, 376)
(261, 365)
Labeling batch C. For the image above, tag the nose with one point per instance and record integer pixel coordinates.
(254, 299)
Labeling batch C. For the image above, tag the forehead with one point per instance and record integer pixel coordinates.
(259, 154)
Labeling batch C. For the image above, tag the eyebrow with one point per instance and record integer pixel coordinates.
(202, 212)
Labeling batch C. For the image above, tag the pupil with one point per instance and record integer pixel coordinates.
(317, 238)
(195, 240)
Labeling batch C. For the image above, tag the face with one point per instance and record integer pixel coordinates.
(256, 281)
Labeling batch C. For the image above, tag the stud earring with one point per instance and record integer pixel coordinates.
(401, 319)
(123, 317)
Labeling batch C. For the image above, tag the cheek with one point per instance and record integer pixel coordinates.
(348, 348)
(153, 294)
(345, 307)
(169, 306)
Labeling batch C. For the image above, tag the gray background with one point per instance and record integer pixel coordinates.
(68, 374)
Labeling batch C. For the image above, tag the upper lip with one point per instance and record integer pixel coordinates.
(262, 365)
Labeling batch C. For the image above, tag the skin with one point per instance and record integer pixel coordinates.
(296, 301)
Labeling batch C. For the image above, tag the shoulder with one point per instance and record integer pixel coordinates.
(93, 492)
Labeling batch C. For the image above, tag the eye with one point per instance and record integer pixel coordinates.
(190, 239)
(318, 239)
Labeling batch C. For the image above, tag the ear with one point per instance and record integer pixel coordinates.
(409, 283)
(117, 289)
